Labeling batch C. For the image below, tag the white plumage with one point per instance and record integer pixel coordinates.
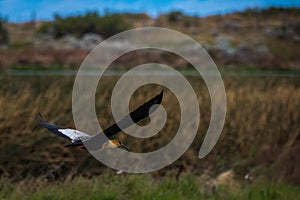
(74, 135)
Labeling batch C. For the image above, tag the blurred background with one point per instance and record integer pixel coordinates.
(255, 44)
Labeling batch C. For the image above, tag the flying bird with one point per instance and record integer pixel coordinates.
(77, 137)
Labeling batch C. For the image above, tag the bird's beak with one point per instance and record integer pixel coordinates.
(122, 146)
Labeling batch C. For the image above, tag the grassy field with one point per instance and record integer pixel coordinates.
(260, 138)
(111, 187)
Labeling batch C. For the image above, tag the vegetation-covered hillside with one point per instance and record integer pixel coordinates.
(263, 38)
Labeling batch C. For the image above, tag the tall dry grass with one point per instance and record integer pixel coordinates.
(262, 121)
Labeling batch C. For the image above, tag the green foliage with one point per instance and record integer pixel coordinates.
(143, 186)
(3, 31)
(271, 191)
(90, 22)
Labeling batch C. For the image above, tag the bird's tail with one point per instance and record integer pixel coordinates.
(41, 118)
(44, 123)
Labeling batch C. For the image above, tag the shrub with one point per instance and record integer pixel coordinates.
(175, 16)
(3, 32)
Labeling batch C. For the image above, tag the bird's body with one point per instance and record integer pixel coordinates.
(77, 137)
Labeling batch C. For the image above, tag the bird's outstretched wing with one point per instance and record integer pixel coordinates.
(137, 115)
(67, 133)
(74, 135)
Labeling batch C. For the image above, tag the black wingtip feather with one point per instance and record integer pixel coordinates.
(138, 114)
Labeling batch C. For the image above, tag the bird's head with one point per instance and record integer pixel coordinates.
(117, 144)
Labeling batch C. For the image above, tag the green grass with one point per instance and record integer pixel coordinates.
(134, 186)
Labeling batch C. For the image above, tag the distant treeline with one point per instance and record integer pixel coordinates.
(271, 11)
(112, 23)
(91, 22)
(106, 25)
